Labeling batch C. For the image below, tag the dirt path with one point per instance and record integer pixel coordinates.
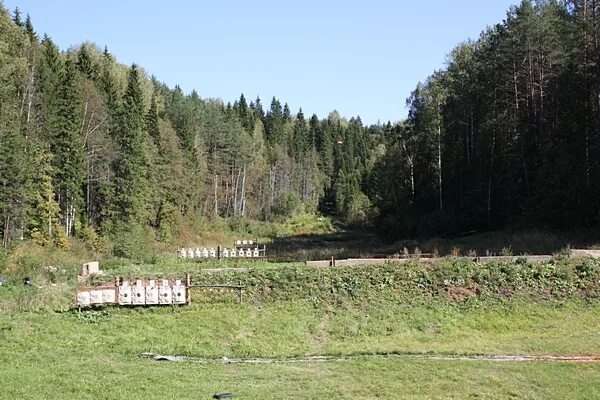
(314, 359)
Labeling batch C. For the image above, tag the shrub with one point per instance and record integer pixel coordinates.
(131, 242)
(359, 210)
(287, 204)
(93, 240)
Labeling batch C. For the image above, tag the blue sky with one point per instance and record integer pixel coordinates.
(359, 57)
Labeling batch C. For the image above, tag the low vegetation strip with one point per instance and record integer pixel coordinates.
(454, 279)
(457, 280)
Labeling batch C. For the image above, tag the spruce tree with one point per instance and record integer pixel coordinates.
(48, 82)
(152, 120)
(108, 88)
(84, 62)
(17, 17)
(300, 141)
(29, 29)
(66, 146)
(131, 195)
(14, 174)
(258, 109)
(244, 114)
(274, 125)
(287, 114)
(315, 134)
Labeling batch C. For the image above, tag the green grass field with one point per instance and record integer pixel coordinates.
(450, 307)
(96, 354)
(125, 378)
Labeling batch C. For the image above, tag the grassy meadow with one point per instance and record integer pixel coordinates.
(96, 353)
(450, 307)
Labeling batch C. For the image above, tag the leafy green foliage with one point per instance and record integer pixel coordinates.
(505, 135)
(287, 204)
(131, 241)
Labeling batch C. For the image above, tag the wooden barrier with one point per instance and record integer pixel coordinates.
(382, 261)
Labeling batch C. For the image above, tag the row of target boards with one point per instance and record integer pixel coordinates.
(221, 253)
(139, 293)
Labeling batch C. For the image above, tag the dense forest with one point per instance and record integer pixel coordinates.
(507, 134)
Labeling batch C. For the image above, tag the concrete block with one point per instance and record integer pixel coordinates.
(83, 298)
(90, 268)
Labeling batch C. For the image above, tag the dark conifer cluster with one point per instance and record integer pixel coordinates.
(507, 134)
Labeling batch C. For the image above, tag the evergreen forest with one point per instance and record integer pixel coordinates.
(505, 134)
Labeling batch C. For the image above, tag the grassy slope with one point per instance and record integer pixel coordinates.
(66, 355)
(300, 328)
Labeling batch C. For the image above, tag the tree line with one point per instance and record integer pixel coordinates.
(506, 134)
(89, 146)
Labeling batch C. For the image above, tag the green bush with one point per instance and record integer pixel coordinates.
(360, 210)
(131, 242)
(287, 204)
(305, 223)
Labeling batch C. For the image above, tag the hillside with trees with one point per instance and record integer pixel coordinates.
(507, 134)
(91, 145)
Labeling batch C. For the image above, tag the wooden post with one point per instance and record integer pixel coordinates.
(188, 286)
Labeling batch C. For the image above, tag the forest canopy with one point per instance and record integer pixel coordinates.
(506, 134)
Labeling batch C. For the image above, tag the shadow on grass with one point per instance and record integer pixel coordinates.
(346, 244)
(362, 244)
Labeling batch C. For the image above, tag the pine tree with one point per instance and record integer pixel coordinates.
(17, 17)
(152, 120)
(66, 146)
(131, 195)
(29, 29)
